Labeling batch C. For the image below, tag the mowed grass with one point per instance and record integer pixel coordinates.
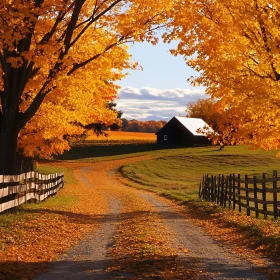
(178, 172)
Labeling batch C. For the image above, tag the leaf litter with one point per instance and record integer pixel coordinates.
(140, 248)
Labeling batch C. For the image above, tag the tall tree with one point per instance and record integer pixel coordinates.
(235, 46)
(217, 117)
(44, 43)
(206, 109)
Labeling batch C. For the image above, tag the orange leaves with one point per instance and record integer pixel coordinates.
(44, 231)
(62, 59)
(235, 48)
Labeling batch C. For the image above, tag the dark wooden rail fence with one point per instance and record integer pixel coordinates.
(249, 194)
(18, 189)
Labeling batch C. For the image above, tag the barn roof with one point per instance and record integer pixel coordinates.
(193, 124)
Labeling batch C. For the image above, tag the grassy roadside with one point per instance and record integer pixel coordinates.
(176, 174)
(67, 214)
(12, 216)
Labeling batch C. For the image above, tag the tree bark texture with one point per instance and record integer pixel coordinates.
(8, 151)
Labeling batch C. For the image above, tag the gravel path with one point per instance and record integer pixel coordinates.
(216, 261)
(89, 258)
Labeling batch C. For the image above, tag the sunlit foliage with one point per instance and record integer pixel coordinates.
(59, 61)
(235, 46)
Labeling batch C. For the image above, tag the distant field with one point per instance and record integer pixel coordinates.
(122, 136)
(117, 144)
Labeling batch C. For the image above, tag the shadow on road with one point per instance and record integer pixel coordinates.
(129, 267)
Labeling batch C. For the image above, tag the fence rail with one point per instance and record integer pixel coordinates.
(18, 189)
(258, 195)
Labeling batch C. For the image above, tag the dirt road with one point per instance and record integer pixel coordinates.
(144, 236)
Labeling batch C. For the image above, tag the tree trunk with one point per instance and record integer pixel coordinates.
(8, 151)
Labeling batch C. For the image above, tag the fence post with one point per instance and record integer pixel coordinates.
(230, 191)
(219, 189)
(215, 189)
(1, 191)
(247, 196)
(275, 208)
(239, 193)
(233, 191)
(264, 195)
(26, 187)
(206, 194)
(202, 183)
(36, 187)
(199, 190)
(212, 188)
(256, 196)
(226, 191)
(30, 184)
(222, 191)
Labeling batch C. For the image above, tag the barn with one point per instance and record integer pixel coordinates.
(182, 131)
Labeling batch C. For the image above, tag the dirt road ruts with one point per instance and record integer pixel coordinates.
(91, 258)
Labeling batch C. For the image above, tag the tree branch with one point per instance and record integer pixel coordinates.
(93, 19)
(82, 64)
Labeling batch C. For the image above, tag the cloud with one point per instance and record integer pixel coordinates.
(155, 104)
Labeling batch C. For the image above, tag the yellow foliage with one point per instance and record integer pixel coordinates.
(59, 61)
(235, 47)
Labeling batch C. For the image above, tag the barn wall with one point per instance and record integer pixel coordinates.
(177, 134)
(202, 140)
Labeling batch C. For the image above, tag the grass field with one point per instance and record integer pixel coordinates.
(173, 172)
(177, 172)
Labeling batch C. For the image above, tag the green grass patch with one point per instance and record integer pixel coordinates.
(9, 217)
(64, 201)
(177, 172)
(69, 177)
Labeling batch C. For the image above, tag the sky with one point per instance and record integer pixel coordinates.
(160, 91)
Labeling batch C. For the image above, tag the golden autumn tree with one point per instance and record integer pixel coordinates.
(58, 121)
(59, 59)
(206, 109)
(235, 47)
(221, 119)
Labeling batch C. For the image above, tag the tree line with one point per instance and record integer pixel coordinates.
(142, 126)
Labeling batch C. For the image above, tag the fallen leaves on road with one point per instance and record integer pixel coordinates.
(47, 229)
(142, 247)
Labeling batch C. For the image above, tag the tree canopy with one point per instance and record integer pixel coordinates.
(59, 60)
(235, 47)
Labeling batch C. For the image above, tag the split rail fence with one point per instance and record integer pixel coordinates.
(250, 194)
(18, 189)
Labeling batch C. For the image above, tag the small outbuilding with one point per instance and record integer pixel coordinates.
(182, 131)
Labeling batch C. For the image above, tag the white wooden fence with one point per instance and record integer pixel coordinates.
(18, 189)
